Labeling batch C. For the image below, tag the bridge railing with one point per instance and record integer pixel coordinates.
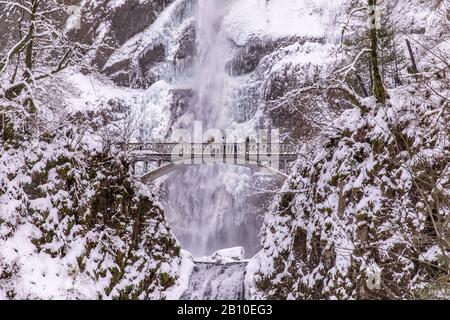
(251, 148)
(250, 154)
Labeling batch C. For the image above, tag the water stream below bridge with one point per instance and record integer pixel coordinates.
(216, 281)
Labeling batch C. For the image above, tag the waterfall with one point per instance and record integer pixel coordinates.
(206, 204)
(216, 282)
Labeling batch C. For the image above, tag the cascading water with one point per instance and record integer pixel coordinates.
(207, 205)
(211, 281)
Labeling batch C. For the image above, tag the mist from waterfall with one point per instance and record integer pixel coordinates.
(207, 205)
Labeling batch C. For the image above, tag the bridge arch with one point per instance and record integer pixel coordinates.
(173, 166)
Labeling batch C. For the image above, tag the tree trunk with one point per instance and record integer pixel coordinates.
(378, 87)
(397, 80)
(411, 56)
(29, 49)
(361, 83)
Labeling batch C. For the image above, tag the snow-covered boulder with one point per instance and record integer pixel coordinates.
(229, 255)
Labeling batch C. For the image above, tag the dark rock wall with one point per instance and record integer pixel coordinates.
(124, 22)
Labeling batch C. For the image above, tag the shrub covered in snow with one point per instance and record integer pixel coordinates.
(73, 223)
(374, 198)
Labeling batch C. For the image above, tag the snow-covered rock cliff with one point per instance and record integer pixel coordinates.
(364, 212)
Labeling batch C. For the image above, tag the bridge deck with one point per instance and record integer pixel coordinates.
(201, 148)
(250, 153)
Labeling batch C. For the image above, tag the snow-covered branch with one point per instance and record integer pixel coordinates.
(352, 66)
(43, 49)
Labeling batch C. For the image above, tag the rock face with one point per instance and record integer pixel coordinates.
(165, 46)
(147, 61)
(247, 57)
(112, 23)
(161, 46)
(186, 49)
(180, 99)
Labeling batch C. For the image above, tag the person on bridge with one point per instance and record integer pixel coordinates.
(247, 148)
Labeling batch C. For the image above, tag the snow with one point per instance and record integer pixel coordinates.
(116, 4)
(432, 254)
(90, 91)
(259, 19)
(148, 110)
(52, 270)
(224, 256)
(236, 183)
(229, 255)
(256, 264)
(74, 20)
(163, 30)
(155, 111)
(315, 26)
(185, 271)
(41, 276)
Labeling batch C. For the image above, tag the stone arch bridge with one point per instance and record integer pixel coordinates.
(269, 158)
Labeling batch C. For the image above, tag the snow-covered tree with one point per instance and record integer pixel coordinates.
(37, 48)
